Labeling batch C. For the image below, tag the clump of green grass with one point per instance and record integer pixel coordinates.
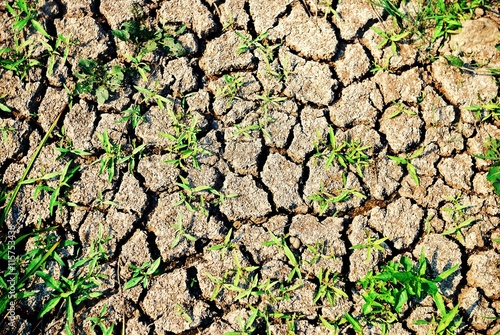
(370, 245)
(326, 198)
(81, 285)
(230, 88)
(346, 153)
(114, 155)
(143, 274)
(390, 290)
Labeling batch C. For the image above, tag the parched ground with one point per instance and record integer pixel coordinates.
(235, 226)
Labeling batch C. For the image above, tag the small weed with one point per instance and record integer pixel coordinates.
(319, 251)
(132, 115)
(388, 291)
(227, 245)
(100, 321)
(458, 217)
(114, 155)
(249, 44)
(281, 243)
(185, 143)
(390, 39)
(493, 154)
(19, 58)
(246, 327)
(74, 290)
(99, 202)
(143, 274)
(5, 131)
(370, 245)
(327, 289)
(401, 109)
(153, 95)
(326, 198)
(381, 67)
(327, 8)
(98, 79)
(58, 193)
(448, 322)
(181, 233)
(24, 12)
(349, 152)
(4, 107)
(66, 146)
(62, 42)
(182, 311)
(406, 161)
(230, 89)
(238, 274)
(193, 198)
(267, 100)
(487, 110)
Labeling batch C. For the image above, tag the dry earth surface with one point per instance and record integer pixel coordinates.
(321, 68)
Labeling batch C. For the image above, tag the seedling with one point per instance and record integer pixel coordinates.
(319, 251)
(132, 115)
(100, 321)
(370, 244)
(326, 198)
(143, 274)
(60, 191)
(114, 155)
(401, 109)
(182, 311)
(384, 67)
(5, 130)
(219, 284)
(230, 89)
(181, 233)
(54, 52)
(267, 100)
(4, 107)
(327, 289)
(24, 12)
(349, 152)
(406, 161)
(227, 245)
(246, 327)
(66, 146)
(458, 217)
(249, 44)
(185, 143)
(327, 7)
(98, 79)
(239, 273)
(487, 110)
(448, 322)
(390, 38)
(154, 95)
(294, 261)
(193, 198)
(493, 154)
(100, 201)
(18, 59)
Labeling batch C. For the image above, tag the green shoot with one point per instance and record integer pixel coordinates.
(132, 115)
(181, 233)
(458, 217)
(486, 111)
(327, 288)
(370, 244)
(100, 321)
(143, 274)
(230, 89)
(406, 161)
(493, 154)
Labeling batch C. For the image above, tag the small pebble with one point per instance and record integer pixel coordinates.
(295, 242)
